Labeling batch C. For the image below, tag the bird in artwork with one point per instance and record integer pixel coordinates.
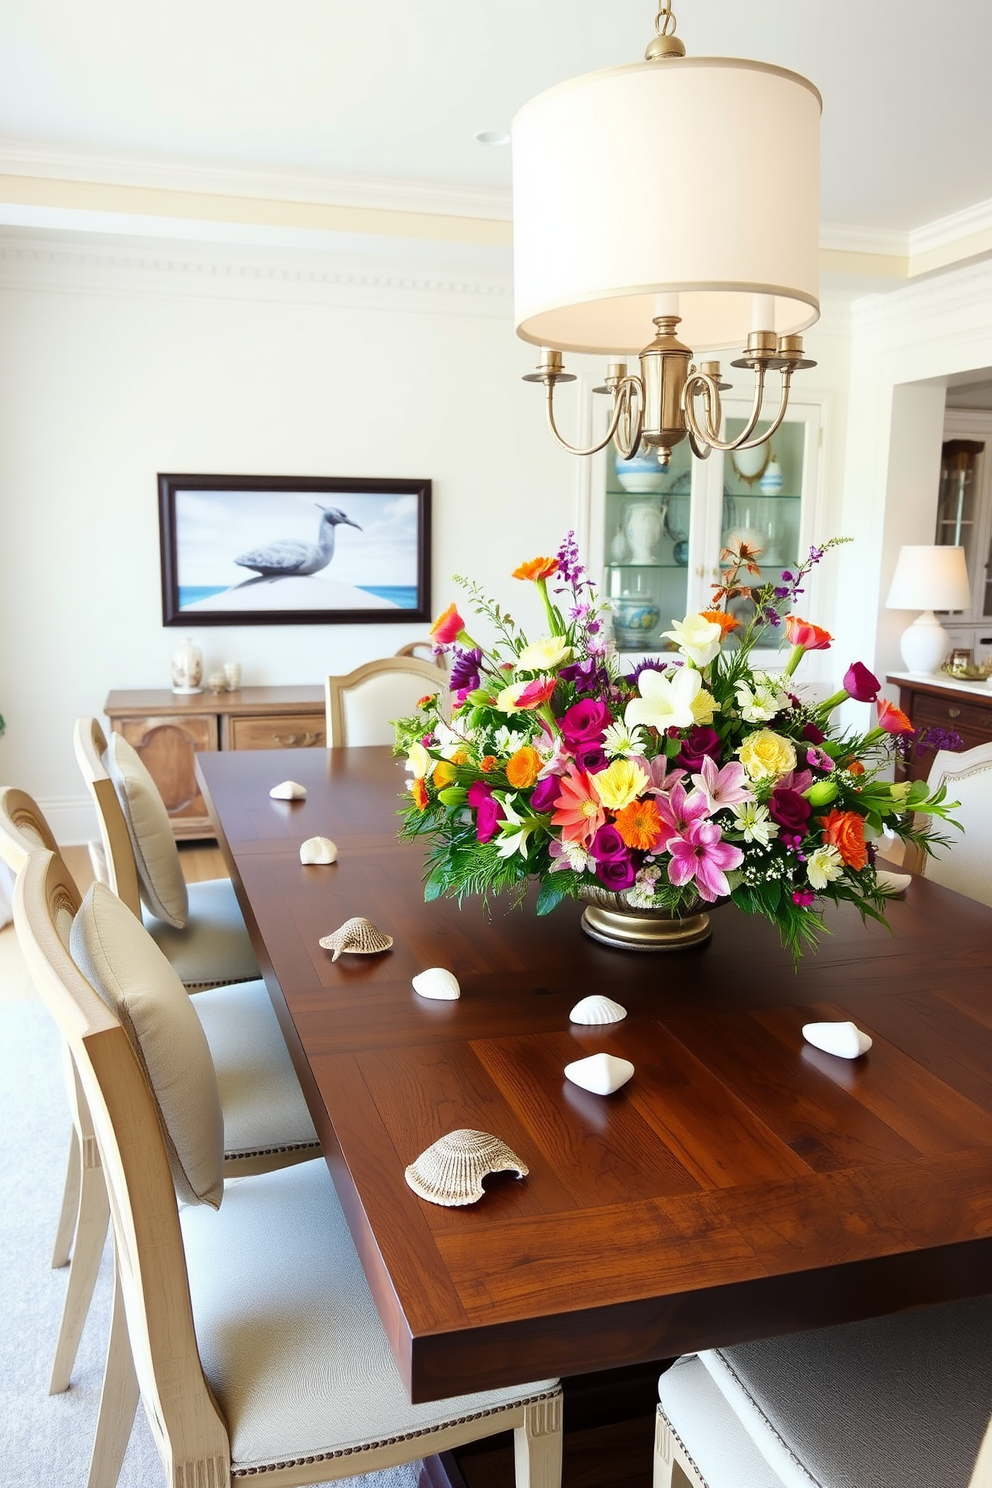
(289, 557)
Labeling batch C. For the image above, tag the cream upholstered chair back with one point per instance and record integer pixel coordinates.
(122, 874)
(23, 828)
(151, 1267)
(362, 705)
(965, 866)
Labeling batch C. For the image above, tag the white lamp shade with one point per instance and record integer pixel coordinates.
(930, 578)
(642, 180)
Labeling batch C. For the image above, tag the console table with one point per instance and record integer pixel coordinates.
(929, 701)
(168, 731)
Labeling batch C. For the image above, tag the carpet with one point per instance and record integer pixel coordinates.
(45, 1441)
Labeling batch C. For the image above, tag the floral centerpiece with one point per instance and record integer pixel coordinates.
(690, 779)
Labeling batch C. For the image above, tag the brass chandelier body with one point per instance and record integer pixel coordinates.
(671, 397)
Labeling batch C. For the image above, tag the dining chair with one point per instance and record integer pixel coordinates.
(966, 865)
(362, 704)
(198, 926)
(893, 1402)
(423, 650)
(254, 1342)
(266, 1121)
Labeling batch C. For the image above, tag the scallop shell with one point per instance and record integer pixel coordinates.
(597, 1009)
(843, 1039)
(357, 936)
(600, 1073)
(318, 850)
(288, 790)
(451, 1170)
(892, 883)
(437, 983)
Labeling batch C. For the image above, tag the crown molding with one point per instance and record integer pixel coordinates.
(911, 306)
(283, 183)
(837, 237)
(953, 229)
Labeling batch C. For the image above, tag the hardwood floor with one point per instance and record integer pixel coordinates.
(615, 1456)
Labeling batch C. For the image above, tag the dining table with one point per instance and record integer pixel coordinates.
(742, 1184)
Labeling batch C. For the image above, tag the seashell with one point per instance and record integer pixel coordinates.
(288, 790)
(357, 936)
(597, 1009)
(437, 983)
(600, 1073)
(892, 883)
(318, 850)
(843, 1039)
(451, 1170)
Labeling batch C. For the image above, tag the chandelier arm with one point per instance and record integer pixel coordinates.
(619, 401)
(776, 422)
(709, 435)
(631, 392)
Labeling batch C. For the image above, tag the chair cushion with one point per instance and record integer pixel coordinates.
(288, 1333)
(213, 949)
(125, 966)
(895, 1402)
(260, 1096)
(712, 1436)
(160, 875)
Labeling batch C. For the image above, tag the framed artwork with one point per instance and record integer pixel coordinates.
(293, 550)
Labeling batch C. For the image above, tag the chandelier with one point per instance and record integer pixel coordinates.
(637, 200)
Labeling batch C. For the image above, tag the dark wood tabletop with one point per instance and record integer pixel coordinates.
(742, 1184)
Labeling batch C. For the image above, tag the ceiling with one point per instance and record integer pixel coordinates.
(395, 90)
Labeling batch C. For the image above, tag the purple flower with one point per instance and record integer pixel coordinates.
(818, 759)
(617, 873)
(811, 734)
(703, 855)
(789, 809)
(545, 794)
(465, 670)
(585, 722)
(489, 813)
(929, 740)
(590, 757)
(608, 845)
(587, 676)
(699, 743)
(860, 684)
(645, 666)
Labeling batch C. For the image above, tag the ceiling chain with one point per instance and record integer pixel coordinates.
(665, 21)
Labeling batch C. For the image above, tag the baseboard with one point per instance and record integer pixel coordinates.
(71, 818)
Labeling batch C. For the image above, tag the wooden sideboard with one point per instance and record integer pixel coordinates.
(929, 702)
(168, 732)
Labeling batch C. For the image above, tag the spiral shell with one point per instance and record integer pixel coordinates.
(600, 1073)
(437, 983)
(597, 1009)
(451, 1170)
(318, 850)
(358, 937)
(288, 790)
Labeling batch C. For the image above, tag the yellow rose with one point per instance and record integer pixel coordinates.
(766, 756)
(619, 784)
(540, 656)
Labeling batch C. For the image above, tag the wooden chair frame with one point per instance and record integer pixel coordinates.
(151, 1294)
(413, 648)
(122, 872)
(335, 688)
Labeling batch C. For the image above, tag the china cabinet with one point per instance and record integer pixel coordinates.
(964, 519)
(659, 550)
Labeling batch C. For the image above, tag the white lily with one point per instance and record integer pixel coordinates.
(667, 700)
(697, 638)
(823, 866)
(418, 761)
(515, 830)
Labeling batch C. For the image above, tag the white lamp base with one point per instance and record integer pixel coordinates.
(925, 644)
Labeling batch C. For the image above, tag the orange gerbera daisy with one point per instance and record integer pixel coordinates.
(639, 824)
(845, 830)
(726, 622)
(537, 568)
(579, 810)
(523, 768)
(419, 792)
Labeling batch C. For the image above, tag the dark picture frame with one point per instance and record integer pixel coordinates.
(251, 550)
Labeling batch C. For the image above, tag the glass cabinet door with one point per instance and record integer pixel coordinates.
(647, 547)
(958, 509)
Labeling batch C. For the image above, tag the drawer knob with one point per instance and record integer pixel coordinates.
(290, 739)
(954, 712)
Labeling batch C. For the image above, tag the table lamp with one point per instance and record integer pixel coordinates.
(928, 579)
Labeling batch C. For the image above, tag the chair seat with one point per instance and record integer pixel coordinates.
(260, 1096)
(895, 1402)
(289, 1336)
(214, 948)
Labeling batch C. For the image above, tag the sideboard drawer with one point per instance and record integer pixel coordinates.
(951, 713)
(300, 731)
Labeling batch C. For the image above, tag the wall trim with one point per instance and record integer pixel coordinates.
(71, 818)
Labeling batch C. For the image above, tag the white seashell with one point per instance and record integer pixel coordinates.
(437, 983)
(843, 1039)
(318, 850)
(600, 1073)
(597, 1009)
(288, 790)
(357, 936)
(451, 1170)
(892, 883)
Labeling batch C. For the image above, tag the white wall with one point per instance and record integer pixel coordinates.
(117, 362)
